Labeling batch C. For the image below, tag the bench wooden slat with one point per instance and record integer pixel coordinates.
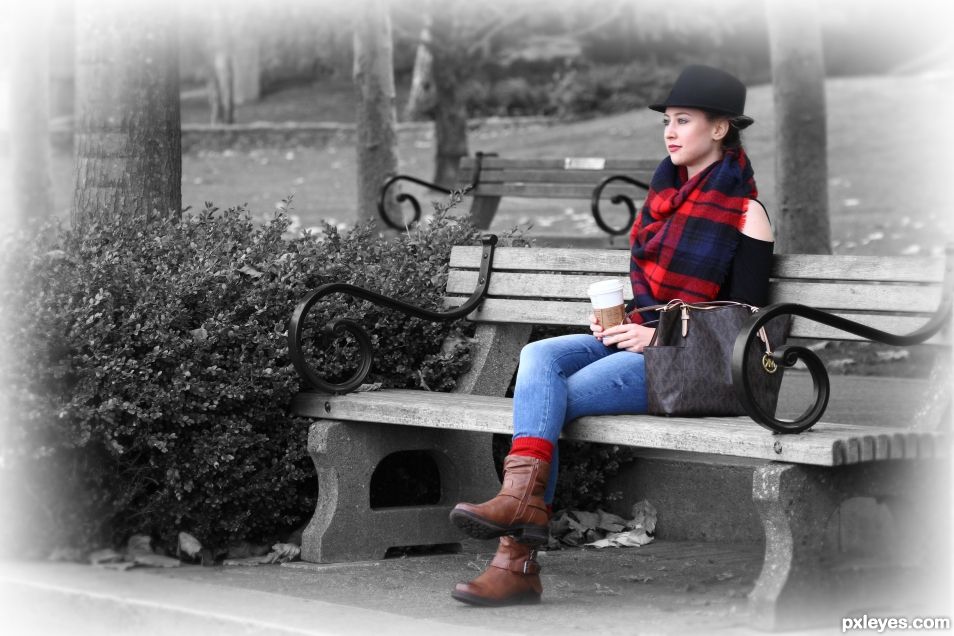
(611, 164)
(907, 299)
(824, 445)
(859, 268)
(836, 296)
(589, 177)
(545, 191)
(567, 313)
(616, 262)
(523, 285)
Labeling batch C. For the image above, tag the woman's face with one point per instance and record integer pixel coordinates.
(691, 139)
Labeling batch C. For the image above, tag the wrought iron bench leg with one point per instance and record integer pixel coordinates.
(346, 528)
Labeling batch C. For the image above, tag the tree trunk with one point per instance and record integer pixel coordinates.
(128, 156)
(420, 100)
(376, 110)
(801, 165)
(62, 61)
(221, 71)
(450, 112)
(247, 60)
(30, 116)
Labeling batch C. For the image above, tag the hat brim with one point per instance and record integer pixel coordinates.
(740, 121)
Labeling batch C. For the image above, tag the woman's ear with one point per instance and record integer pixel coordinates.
(720, 130)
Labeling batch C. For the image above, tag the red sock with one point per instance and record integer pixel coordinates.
(532, 447)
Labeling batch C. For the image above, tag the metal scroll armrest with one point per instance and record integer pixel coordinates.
(341, 325)
(415, 204)
(789, 355)
(615, 200)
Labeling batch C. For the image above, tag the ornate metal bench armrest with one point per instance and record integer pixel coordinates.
(789, 355)
(415, 204)
(341, 325)
(615, 200)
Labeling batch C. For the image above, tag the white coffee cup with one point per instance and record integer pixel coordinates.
(607, 299)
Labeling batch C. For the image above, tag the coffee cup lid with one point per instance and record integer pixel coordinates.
(605, 286)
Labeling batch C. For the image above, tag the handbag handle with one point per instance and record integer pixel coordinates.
(709, 304)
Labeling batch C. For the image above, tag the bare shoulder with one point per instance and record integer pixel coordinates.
(757, 223)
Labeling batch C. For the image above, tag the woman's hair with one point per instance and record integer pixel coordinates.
(733, 138)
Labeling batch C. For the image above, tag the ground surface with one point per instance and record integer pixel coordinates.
(660, 588)
(634, 591)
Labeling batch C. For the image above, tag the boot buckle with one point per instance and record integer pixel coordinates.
(531, 565)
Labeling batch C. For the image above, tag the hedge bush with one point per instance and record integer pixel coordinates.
(146, 375)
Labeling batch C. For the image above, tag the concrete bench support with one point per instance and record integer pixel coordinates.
(802, 579)
(346, 528)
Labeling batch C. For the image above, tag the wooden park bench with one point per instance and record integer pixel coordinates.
(801, 480)
(488, 179)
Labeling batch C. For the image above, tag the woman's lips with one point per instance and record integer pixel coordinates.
(673, 148)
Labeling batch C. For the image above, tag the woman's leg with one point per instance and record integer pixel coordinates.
(559, 379)
(613, 385)
(541, 391)
(540, 399)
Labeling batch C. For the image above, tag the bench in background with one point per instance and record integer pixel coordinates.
(489, 179)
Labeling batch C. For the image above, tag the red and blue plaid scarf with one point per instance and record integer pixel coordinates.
(686, 234)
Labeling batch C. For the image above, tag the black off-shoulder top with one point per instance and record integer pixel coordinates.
(748, 277)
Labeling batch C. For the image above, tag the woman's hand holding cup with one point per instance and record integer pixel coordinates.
(609, 322)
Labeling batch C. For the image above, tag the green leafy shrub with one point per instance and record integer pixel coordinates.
(146, 374)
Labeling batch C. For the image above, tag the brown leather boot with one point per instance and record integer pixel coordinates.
(513, 577)
(518, 509)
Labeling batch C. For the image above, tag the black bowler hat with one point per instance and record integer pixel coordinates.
(710, 89)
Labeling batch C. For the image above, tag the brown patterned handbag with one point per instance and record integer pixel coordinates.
(688, 361)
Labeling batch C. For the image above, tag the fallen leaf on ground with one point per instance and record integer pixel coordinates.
(156, 561)
(245, 562)
(637, 578)
(101, 557)
(644, 516)
(120, 566)
(586, 520)
(139, 544)
(608, 591)
(603, 529)
(189, 545)
(610, 522)
(282, 553)
(633, 538)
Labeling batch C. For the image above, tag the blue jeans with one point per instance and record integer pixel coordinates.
(561, 379)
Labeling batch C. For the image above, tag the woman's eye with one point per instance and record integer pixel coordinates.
(682, 122)
(665, 122)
